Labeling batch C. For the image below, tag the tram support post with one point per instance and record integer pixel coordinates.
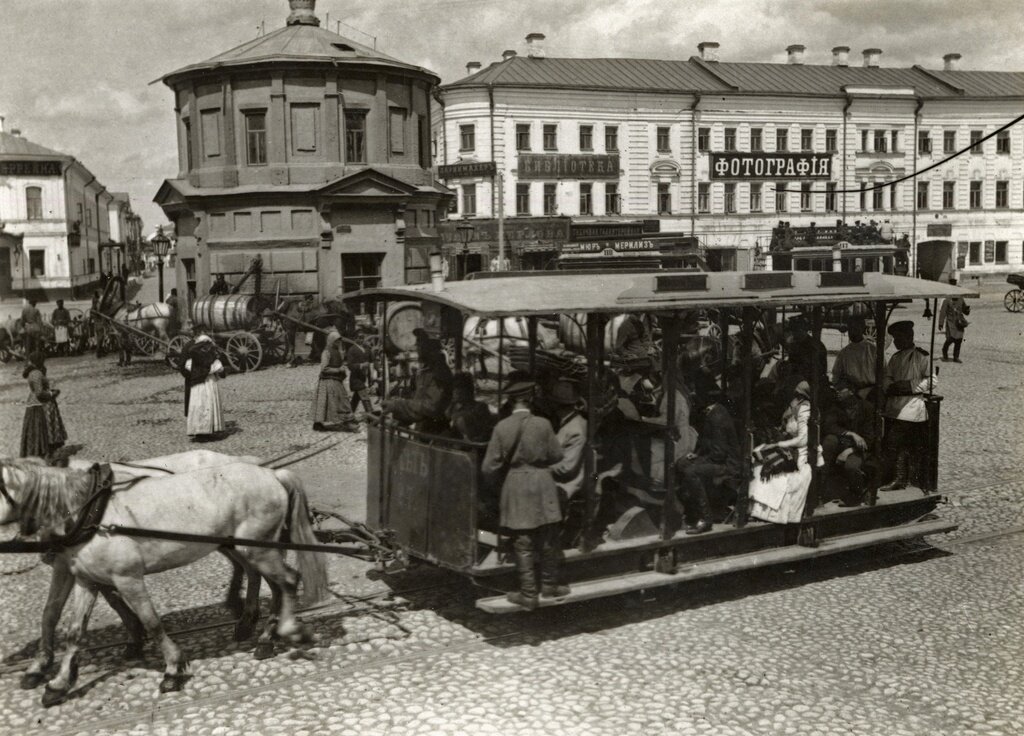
(531, 332)
(595, 375)
(723, 326)
(671, 518)
(814, 423)
(747, 441)
(881, 318)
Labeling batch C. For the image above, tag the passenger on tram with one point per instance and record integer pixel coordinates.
(470, 419)
(853, 377)
(428, 407)
(707, 476)
(844, 452)
(906, 382)
(805, 356)
(778, 490)
(571, 430)
(634, 340)
(525, 447)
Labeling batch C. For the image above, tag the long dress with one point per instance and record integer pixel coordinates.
(781, 498)
(331, 402)
(42, 431)
(205, 414)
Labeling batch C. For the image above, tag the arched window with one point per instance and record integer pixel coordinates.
(34, 203)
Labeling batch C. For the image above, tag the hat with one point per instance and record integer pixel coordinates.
(563, 393)
(798, 323)
(803, 389)
(905, 325)
(521, 387)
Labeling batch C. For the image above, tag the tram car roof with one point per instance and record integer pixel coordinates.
(549, 292)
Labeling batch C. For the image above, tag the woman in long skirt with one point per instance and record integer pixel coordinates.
(42, 432)
(202, 370)
(331, 402)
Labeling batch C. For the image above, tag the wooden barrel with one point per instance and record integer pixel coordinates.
(225, 312)
(401, 319)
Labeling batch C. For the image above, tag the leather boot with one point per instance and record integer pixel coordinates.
(551, 557)
(526, 596)
(855, 483)
(899, 482)
(704, 518)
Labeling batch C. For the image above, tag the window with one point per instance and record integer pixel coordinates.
(550, 200)
(863, 196)
(586, 199)
(976, 143)
(611, 199)
(756, 139)
(893, 196)
(948, 195)
(703, 197)
(664, 198)
(210, 128)
(877, 199)
(806, 139)
(37, 262)
(881, 142)
(703, 140)
(1002, 194)
(256, 138)
(522, 136)
(831, 145)
(730, 139)
(522, 199)
(922, 195)
(467, 137)
(755, 197)
(894, 138)
(360, 271)
(396, 127)
(355, 136)
(1003, 142)
(949, 141)
(975, 252)
(188, 143)
(780, 197)
(975, 196)
(611, 138)
(663, 145)
(1001, 251)
(34, 203)
(730, 197)
(781, 139)
(830, 196)
(78, 208)
(924, 141)
(468, 199)
(805, 196)
(586, 137)
(550, 137)
(864, 141)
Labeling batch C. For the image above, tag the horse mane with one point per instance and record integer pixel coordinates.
(48, 495)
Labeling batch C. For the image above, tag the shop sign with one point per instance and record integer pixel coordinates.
(534, 166)
(771, 165)
(940, 230)
(468, 169)
(613, 230)
(637, 245)
(30, 168)
(534, 229)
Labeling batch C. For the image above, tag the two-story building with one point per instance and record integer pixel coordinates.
(722, 151)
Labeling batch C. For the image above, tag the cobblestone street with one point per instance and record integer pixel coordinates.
(900, 640)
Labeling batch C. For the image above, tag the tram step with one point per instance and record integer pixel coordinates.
(602, 587)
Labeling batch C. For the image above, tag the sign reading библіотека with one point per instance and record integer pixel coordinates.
(771, 166)
(534, 166)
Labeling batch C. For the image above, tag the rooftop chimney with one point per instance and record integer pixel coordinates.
(303, 13)
(871, 57)
(472, 67)
(507, 54)
(708, 50)
(796, 53)
(841, 56)
(951, 62)
(535, 45)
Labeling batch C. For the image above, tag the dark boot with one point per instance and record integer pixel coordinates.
(899, 482)
(550, 540)
(526, 559)
(704, 518)
(855, 484)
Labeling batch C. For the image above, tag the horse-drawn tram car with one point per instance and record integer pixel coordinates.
(836, 478)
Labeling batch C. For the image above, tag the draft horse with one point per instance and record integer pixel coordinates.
(234, 500)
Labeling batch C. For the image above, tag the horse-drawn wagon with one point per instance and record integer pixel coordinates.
(244, 327)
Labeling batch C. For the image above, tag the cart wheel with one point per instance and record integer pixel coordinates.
(6, 356)
(1014, 300)
(275, 343)
(175, 348)
(146, 346)
(244, 352)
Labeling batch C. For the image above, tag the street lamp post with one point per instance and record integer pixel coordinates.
(466, 231)
(161, 244)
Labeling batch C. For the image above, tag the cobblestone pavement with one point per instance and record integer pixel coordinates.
(905, 639)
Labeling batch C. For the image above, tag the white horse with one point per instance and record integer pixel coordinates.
(235, 500)
(61, 580)
(153, 318)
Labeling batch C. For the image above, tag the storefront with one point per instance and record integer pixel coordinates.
(531, 243)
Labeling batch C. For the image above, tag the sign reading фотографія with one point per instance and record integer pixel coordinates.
(771, 166)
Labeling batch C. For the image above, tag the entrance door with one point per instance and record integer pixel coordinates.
(5, 272)
(935, 259)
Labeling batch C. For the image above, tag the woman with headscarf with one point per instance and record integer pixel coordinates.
(42, 432)
(331, 402)
(202, 369)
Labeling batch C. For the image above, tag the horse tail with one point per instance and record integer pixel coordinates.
(312, 566)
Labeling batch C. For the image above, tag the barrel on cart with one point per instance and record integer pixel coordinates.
(243, 326)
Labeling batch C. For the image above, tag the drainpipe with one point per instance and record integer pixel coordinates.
(846, 109)
(86, 232)
(490, 100)
(693, 167)
(913, 193)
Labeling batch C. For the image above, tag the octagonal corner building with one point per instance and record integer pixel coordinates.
(310, 151)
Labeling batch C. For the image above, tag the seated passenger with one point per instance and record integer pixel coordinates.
(525, 447)
(853, 377)
(633, 340)
(470, 419)
(427, 408)
(843, 451)
(715, 458)
(778, 491)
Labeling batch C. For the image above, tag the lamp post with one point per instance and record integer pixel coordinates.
(466, 232)
(161, 244)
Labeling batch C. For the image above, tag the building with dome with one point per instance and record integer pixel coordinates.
(310, 151)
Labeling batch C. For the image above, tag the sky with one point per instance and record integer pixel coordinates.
(75, 75)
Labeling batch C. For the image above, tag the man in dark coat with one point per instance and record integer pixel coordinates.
(219, 286)
(428, 407)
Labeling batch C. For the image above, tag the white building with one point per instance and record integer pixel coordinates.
(723, 151)
(55, 219)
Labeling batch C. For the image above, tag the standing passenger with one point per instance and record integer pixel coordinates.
(202, 369)
(572, 436)
(525, 446)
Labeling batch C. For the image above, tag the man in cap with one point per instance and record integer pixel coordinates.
(428, 407)
(953, 318)
(906, 382)
(853, 376)
(805, 355)
(525, 447)
(470, 419)
(571, 430)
